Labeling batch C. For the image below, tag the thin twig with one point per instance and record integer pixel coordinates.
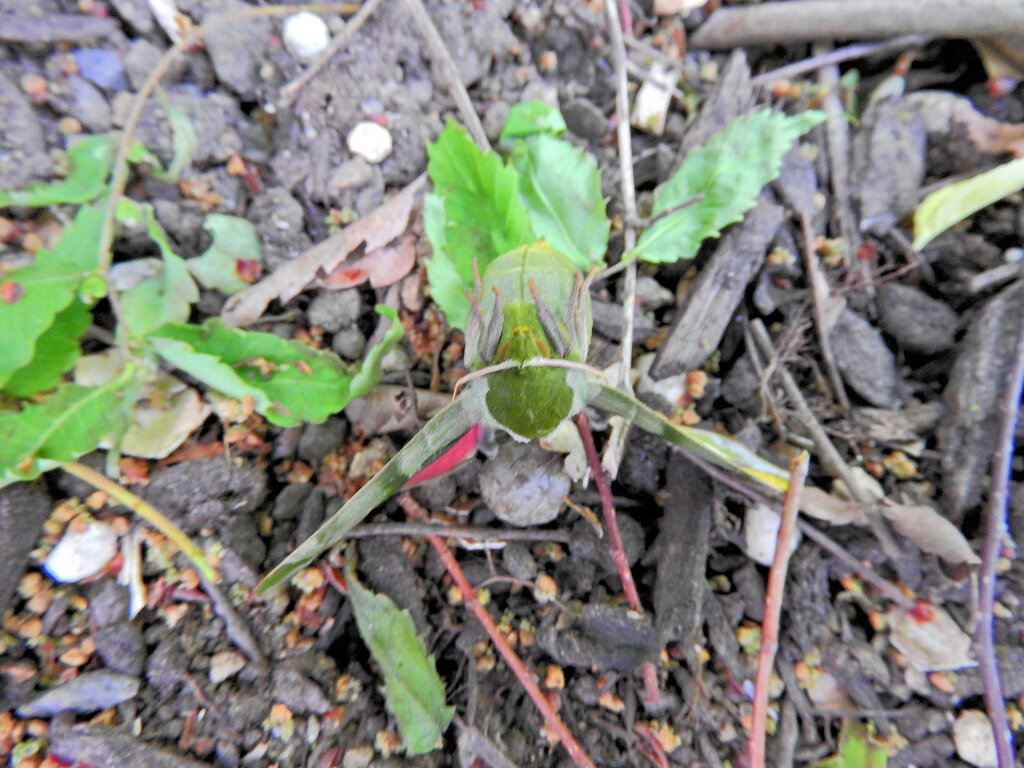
(995, 533)
(780, 23)
(819, 298)
(861, 567)
(773, 608)
(838, 56)
(235, 626)
(468, 532)
(576, 752)
(291, 90)
(825, 450)
(144, 510)
(439, 51)
(628, 187)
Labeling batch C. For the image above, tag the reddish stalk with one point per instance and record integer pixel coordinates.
(773, 607)
(554, 723)
(652, 695)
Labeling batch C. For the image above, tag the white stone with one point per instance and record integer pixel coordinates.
(225, 664)
(305, 35)
(972, 734)
(760, 532)
(370, 141)
(79, 555)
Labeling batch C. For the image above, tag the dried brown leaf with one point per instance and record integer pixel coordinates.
(372, 232)
(929, 530)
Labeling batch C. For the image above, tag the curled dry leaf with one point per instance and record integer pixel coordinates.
(929, 638)
(386, 408)
(372, 232)
(944, 113)
(932, 532)
(922, 524)
(382, 267)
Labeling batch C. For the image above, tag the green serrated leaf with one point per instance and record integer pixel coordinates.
(290, 382)
(90, 161)
(414, 690)
(561, 186)
(159, 300)
(32, 296)
(481, 216)
(55, 353)
(729, 171)
(955, 202)
(532, 117)
(68, 424)
(234, 240)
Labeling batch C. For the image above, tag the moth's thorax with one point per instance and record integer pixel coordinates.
(506, 291)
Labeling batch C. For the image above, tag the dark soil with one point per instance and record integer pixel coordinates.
(919, 349)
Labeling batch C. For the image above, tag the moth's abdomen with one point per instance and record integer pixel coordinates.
(529, 402)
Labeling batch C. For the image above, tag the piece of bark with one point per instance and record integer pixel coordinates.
(731, 96)
(53, 28)
(867, 365)
(967, 435)
(23, 510)
(699, 326)
(682, 554)
(780, 23)
(104, 747)
(888, 164)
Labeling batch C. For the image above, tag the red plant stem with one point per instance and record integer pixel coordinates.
(995, 534)
(773, 607)
(554, 723)
(618, 553)
(651, 693)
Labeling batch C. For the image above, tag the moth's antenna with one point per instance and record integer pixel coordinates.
(494, 327)
(483, 372)
(548, 322)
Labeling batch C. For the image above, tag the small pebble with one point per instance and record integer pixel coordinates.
(102, 67)
(225, 664)
(89, 692)
(305, 35)
(972, 734)
(370, 141)
(524, 485)
(761, 531)
(79, 555)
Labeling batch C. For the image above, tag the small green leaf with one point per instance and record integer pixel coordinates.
(955, 202)
(477, 215)
(55, 353)
(414, 690)
(530, 118)
(159, 300)
(729, 171)
(90, 161)
(68, 424)
(234, 240)
(561, 186)
(32, 296)
(290, 382)
(857, 749)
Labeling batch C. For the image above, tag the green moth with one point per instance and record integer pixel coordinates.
(526, 343)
